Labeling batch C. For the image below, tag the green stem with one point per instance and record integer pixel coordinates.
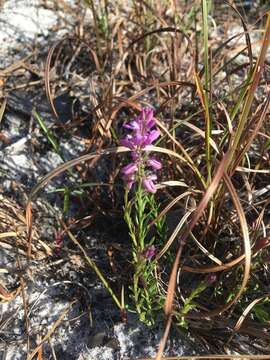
(140, 215)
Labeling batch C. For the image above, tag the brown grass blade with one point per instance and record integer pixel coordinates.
(29, 227)
(2, 109)
(47, 75)
(247, 310)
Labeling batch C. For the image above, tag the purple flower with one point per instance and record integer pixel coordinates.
(133, 125)
(144, 121)
(127, 142)
(147, 117)
(130, 169)
(139, 139)
(151, 137)
(129, 180)
(150, 252)
(211, 278)
(135, 156)
(155, 164)
(149, 185)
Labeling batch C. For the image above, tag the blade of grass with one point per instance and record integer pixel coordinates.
(208, 120)
(52, 140)
(48, 133)
(247, 310)
(2, 109)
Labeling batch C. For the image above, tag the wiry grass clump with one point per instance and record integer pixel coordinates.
(210, 95)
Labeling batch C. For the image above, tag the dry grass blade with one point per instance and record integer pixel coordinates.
(205, 251)
(247, 310)
(198, 213)
(170, 205)
(47, 75)
(2, 109)
(6, 295)
(25, 307)
(72, 163)
(202, 134)
(171, 183)
(29, 225)
(163, 213)
(174, 234)
(48, 67)
(164, 338)
(15, 227)
(203, 95)
(206, 270)
(87, 157)
(187, 158)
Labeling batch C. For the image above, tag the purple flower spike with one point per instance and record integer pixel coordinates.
(129, 169)
(142, 135)
(155, 164)
(149, 184)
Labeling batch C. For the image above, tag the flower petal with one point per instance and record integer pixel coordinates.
(155, 164)
(129, 169)
(133, 125)
(152, 177)
(129, 180)
(128, 142)
(150, 252)
(138, 139)
(148, 116)
(151, 137)
(149, 185)
(134, 155)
